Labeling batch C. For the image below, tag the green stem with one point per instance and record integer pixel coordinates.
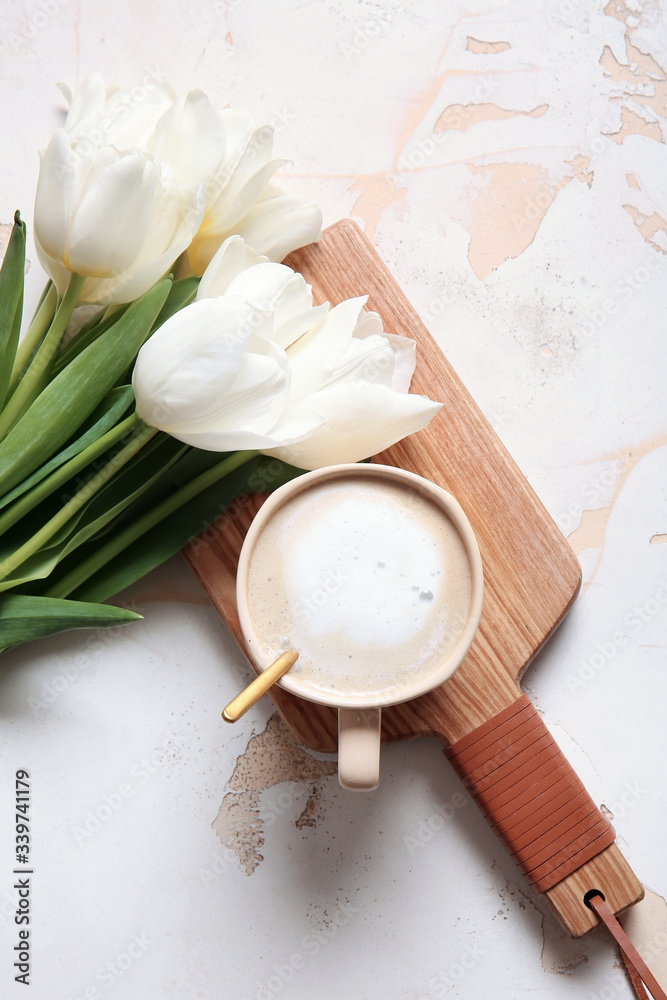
(59, 476)
(34, 334)
(45, 291)
(133, 531)
(79, 499)
(37, 374)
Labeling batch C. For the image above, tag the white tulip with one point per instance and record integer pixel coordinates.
(231, 257)
(356, 379)
(259, 367)
(211, 377)
(280, 223)
(127, 117)
(225, 152)
(118, 218)
(221, 150)
(273, 287)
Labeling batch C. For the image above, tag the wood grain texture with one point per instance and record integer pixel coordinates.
(531, 576)
(611, 874)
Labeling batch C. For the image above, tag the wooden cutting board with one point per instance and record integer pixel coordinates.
(531, 576)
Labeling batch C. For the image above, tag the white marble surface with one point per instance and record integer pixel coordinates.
(530, 233)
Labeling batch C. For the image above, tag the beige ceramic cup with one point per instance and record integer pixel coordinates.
(359, 715)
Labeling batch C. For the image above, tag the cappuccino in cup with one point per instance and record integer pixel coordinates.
(367, 578)
(373, 576)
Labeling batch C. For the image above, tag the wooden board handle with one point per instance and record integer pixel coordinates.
(540, 810)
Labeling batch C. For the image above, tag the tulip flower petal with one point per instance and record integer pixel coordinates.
(405, 360)
(111, 220)
(361, 420)
(316, 355)
(266, 286)
(213, 377)
(190, 137)
(130, 122)
(224, 214)
(140, 276)
(404, 349)
(294, 425)
(189, 364)
(239, 128)
(127, 117)
(88, 99)
(233, 257)
(254, 400)
(202, 250)
(55, 196)
(368, 325)
(288, 296)
(56, 270)
(248, 151)
(368, 360)
(168, 204)
(275, 226)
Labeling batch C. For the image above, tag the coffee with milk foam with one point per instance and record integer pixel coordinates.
(366, 578)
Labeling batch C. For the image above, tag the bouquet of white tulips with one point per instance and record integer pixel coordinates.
(123, 437)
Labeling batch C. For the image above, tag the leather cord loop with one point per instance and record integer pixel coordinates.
(530, 795)
(636, 967)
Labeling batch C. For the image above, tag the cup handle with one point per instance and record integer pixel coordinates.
(359, 748)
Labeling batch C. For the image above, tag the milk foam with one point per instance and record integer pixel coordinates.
(367, 579)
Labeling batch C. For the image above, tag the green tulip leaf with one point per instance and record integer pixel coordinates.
(260, 475)
(67, 401)
(102, 419)
(182, 292)
(89, 332)
(24, 617)
(12, 275)
(124, 488)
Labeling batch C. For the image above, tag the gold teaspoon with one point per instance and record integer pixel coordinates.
(254, 691)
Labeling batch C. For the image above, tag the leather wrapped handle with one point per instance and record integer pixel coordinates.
(539, 808)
